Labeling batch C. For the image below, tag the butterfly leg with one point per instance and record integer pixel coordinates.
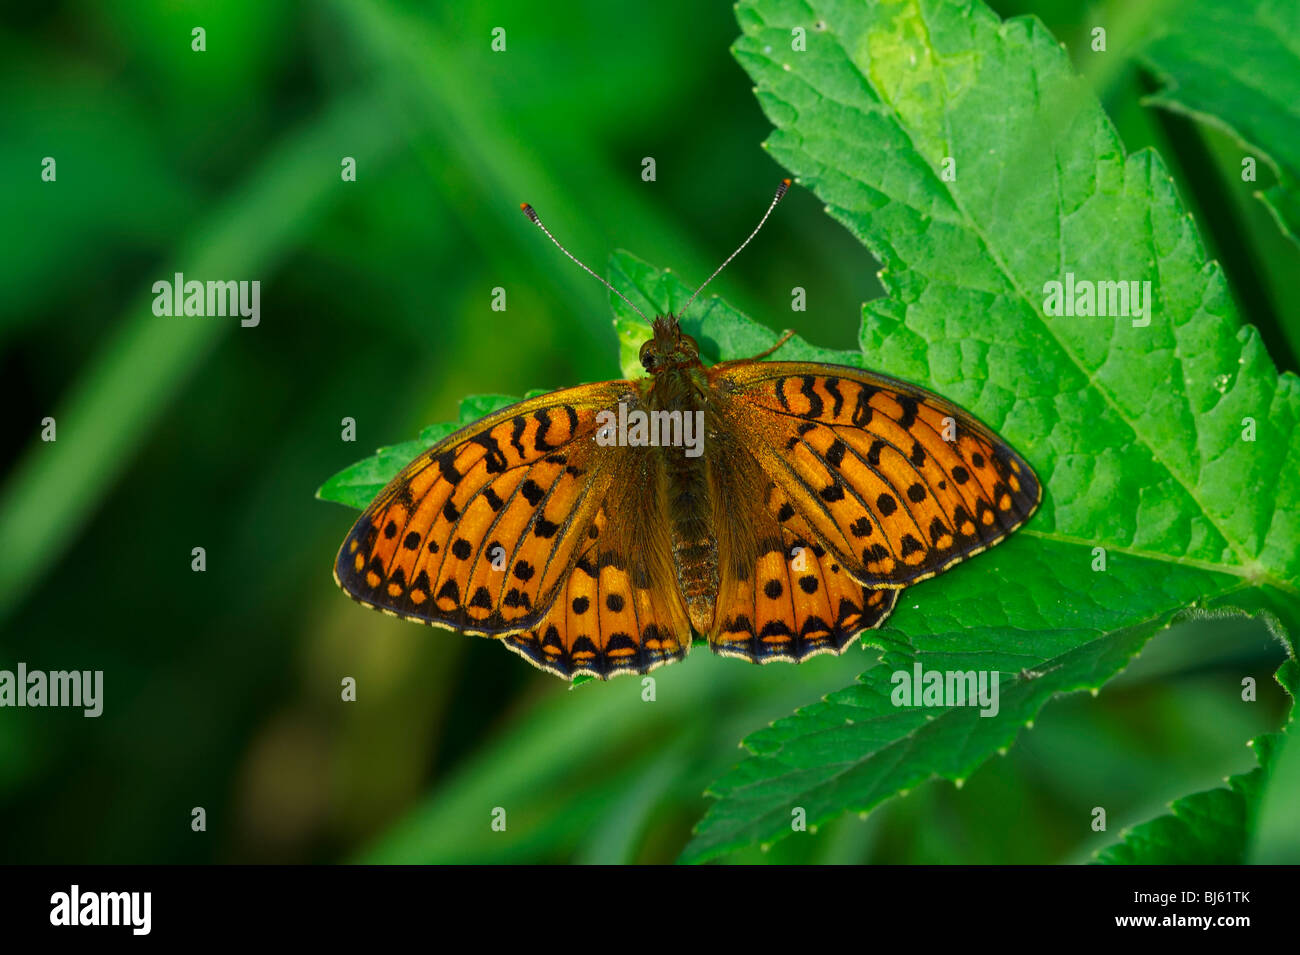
(785, 337)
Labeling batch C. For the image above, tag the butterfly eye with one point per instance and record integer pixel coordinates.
(692, 346)
(647, 355)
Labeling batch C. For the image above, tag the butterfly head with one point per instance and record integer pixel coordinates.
(670, 348)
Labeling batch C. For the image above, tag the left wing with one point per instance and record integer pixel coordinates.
(479, 532)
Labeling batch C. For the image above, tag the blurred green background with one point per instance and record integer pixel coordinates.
(222, 688)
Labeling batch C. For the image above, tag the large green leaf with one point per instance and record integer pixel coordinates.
(1140, 431)
(1277, 824)
(1235, 64)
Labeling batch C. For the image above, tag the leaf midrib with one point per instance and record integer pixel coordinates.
(1229, 570)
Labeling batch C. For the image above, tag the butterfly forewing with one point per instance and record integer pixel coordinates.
(897, 483)
(479, 532)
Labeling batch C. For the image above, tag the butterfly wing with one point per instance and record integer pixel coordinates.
(479, 533)
(896, 483)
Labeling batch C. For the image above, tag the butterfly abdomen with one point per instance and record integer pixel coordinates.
(694, 545)
(695, 558)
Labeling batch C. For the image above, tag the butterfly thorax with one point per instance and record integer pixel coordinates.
(679, 386)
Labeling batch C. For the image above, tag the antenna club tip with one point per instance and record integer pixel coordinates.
(786, 183)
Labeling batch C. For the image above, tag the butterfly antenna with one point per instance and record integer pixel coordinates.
(537, 221)
(780, 191)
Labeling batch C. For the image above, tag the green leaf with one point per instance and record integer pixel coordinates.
(1235, 64)
(1217, 826)
(1277, 827)
(1139, 430)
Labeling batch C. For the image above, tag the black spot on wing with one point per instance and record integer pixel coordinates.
(815, 403)
(832, 493)
(516, 432)
(532, 492)
(447, 467)
(832, 386)
(908, 404)
(862, 409)
(494, 460)
(540, 444)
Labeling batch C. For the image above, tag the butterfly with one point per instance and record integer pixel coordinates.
(774, 508)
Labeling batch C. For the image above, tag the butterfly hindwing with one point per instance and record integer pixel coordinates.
(620, 610)
(897, 483)
(479, 532)
(603, 625)
(782, 595)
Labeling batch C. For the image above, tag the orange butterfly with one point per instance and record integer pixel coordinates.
(785, 507)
